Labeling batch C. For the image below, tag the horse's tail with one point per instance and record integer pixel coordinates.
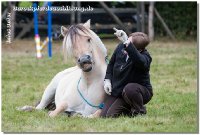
(26, 108)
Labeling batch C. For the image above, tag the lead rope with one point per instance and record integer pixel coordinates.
(107, 60)
(100, 106)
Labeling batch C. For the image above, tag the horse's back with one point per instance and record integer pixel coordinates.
(59, 76)
(65, 72)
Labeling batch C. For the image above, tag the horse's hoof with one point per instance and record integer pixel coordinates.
(77, 115)
(51, 114)
(26, 108)
(90, 116)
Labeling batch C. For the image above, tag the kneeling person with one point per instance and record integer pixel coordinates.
(127, 80)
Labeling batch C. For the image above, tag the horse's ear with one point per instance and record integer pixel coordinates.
(63, 31)
(87, 24)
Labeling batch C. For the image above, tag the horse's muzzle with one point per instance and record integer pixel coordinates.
(85, 63)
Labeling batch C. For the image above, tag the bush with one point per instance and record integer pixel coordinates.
(181, 18)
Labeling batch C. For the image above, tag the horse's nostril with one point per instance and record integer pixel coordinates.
(86, 59)
(88, 56)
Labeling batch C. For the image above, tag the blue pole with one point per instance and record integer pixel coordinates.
(35, 14)
(37, 37)
(49, 31)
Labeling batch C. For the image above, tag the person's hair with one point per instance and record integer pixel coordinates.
(140, 40)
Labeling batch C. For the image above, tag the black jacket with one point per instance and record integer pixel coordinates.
(134, 70)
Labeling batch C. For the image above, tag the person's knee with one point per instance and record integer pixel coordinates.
(130, 89)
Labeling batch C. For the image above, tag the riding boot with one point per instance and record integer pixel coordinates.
(142, 111)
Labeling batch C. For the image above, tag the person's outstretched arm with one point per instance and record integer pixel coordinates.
(142, 60)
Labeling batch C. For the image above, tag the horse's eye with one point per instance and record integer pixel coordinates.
(89, 39)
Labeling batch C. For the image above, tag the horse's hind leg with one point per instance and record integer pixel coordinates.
(47, 96)
(49, 93)
(50, 106)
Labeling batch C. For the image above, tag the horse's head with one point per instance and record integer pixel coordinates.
(79, 42)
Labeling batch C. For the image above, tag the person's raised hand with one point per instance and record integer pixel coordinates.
(122, 36)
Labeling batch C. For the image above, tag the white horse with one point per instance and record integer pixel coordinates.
(80, 88)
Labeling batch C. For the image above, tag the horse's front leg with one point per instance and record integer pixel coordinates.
(61, 107)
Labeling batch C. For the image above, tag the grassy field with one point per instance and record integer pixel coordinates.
(172, 109)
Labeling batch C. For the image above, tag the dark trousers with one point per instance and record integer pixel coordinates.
(131, 103)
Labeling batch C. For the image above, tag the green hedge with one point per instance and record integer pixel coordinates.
(181, 18)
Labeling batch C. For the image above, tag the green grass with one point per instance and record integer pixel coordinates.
(173, 107)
